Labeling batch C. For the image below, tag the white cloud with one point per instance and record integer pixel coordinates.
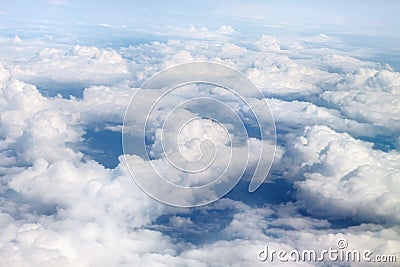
(56, 65)
(225, 29)
(369, 95)
(60, 209)
(202, 33)
(266, 43)
(345, 177)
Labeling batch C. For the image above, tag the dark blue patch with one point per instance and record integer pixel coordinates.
(207, 222)
(383, 143)
(335, 223)
(103, 146)
(66, 90)
(253, 131)
(275, 191)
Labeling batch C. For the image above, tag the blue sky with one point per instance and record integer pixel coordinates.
(362, 17)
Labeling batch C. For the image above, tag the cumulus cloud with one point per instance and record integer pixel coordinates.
(345, 177)
(266, 43)
(332, 112)
(62, 67)
(88, 60)
(369, 95)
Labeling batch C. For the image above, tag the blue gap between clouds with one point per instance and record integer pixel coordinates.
(208, 222)
(104, 146)
(52, 89)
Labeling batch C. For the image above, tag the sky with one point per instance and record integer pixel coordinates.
(97, 103)
(361, 17)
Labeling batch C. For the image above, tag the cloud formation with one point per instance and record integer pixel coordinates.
(338, 140)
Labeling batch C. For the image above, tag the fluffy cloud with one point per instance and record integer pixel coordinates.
(61, 67)
(60, 209)
(345, 177)
(369, 95)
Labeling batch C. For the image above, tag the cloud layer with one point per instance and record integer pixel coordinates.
(337, 120)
